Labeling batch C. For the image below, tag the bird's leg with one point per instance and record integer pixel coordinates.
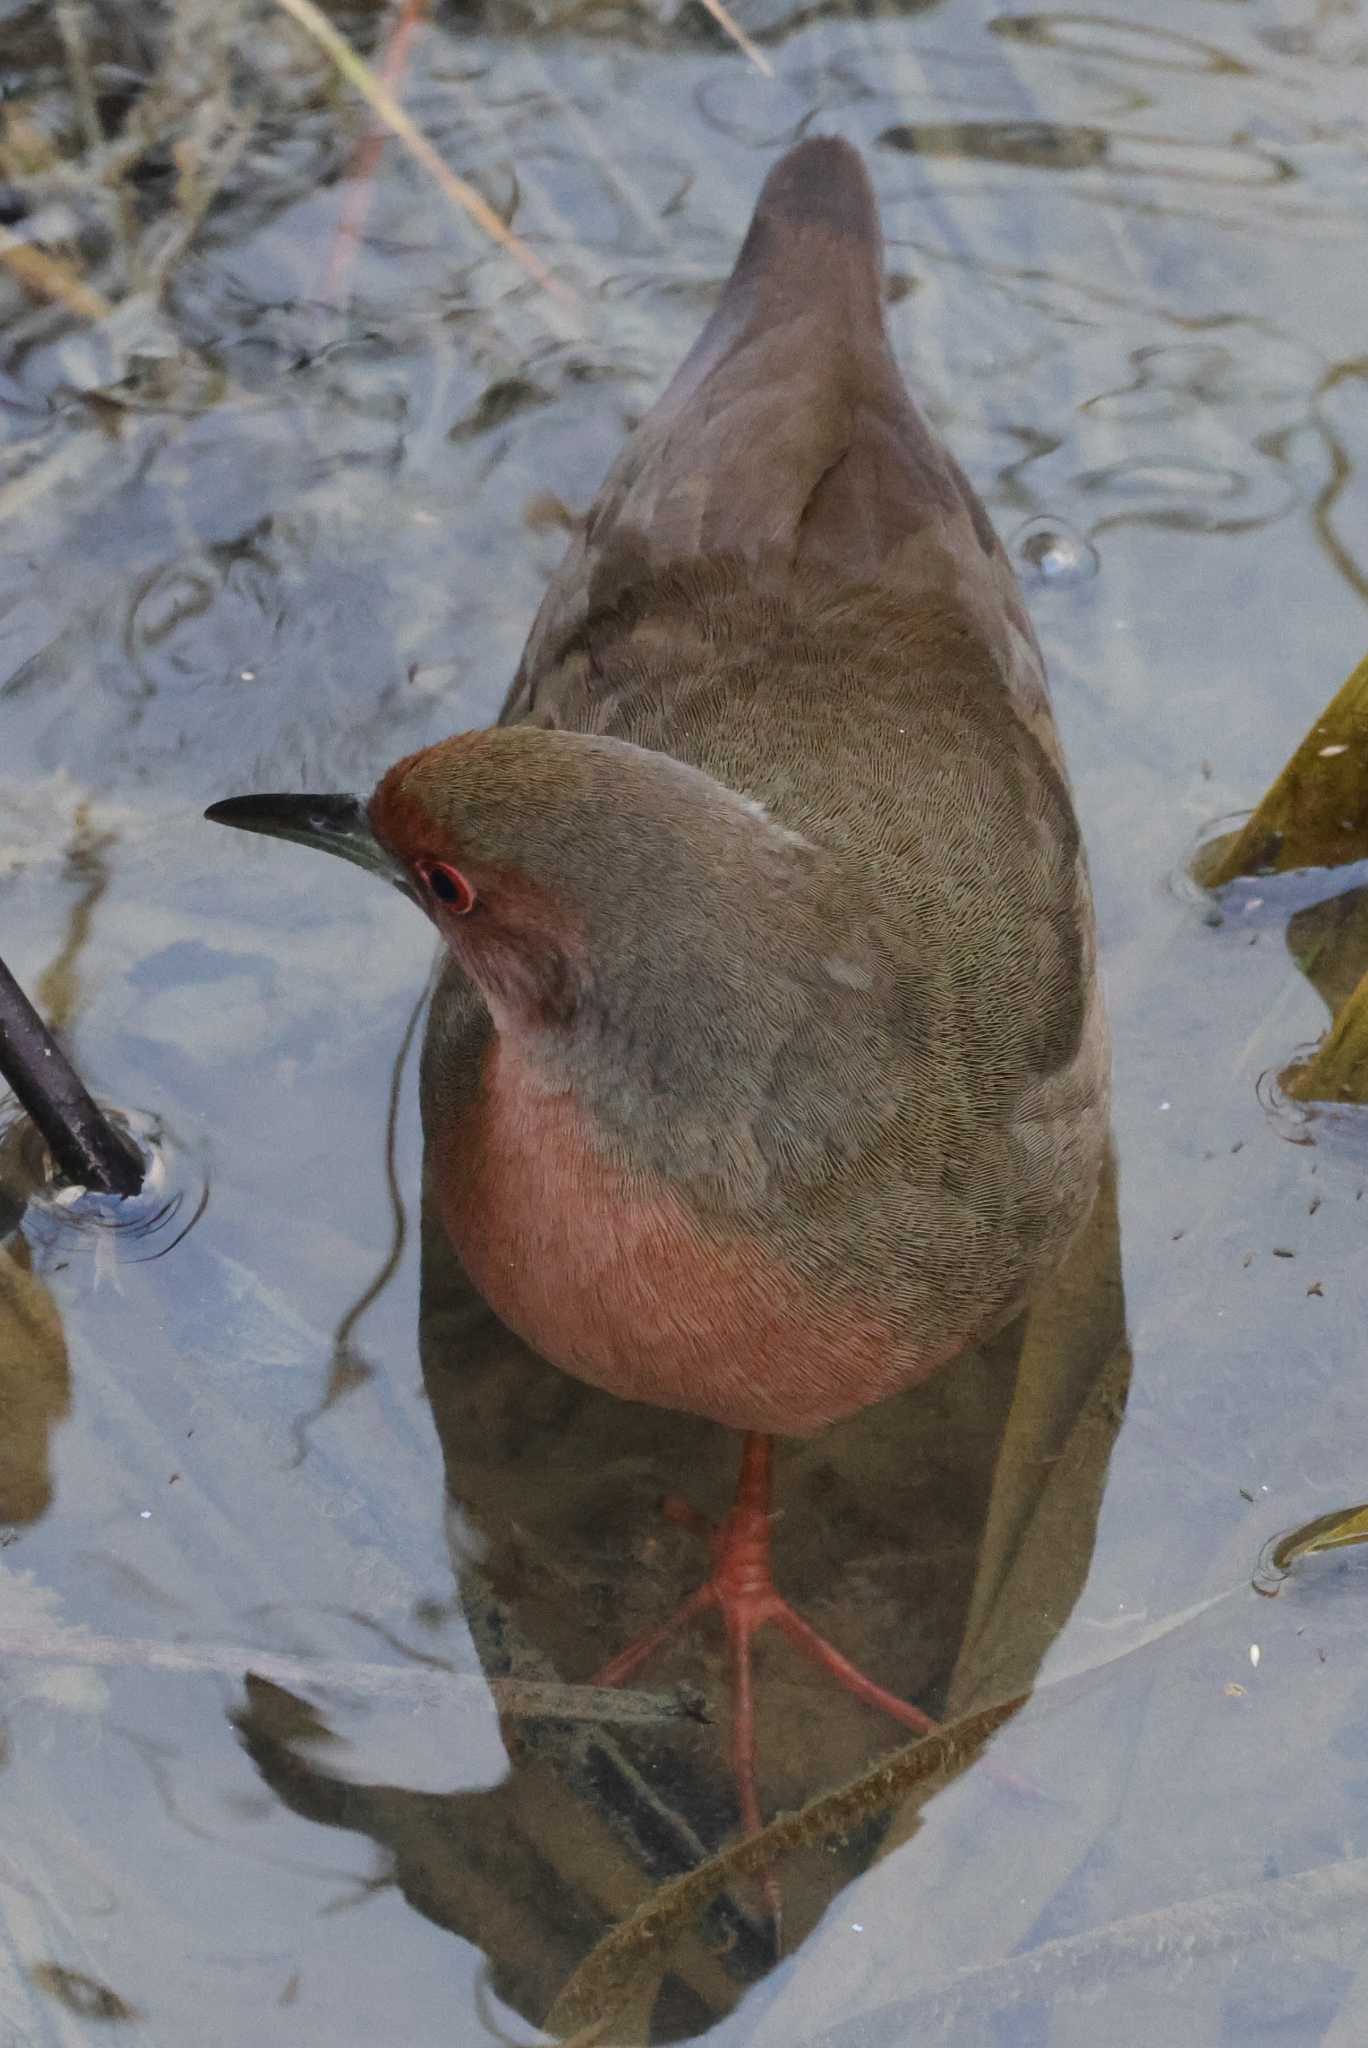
(742, 1586)
(744, 1589)
(629, 1661)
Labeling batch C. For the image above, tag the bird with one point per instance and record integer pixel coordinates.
(767, 1070)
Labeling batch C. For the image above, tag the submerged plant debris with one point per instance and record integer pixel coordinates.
(1341, 1529)
(85, 1996)
(1316, 813)
(1337, 1070)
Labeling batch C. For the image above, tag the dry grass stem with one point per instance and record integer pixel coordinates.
(377, 93)
(413, 1684)
(71, 29)
(201, 174)
(639, 1946)
(738, 35)
(45, 276)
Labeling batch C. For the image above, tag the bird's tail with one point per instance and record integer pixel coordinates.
(814, 247)
(815, 230)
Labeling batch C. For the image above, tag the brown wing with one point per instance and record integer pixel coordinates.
(787, 435)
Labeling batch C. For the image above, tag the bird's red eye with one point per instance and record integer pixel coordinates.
(449, 886)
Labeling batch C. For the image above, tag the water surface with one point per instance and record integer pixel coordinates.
(271, 519)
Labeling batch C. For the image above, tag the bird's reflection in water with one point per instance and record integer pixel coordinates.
(940, 1539)
(35, 1383)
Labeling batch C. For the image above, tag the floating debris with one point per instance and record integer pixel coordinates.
(85, 1996)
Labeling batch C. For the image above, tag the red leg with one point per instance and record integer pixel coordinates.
(742, 1586)
(740, 1630)
(828, 1658)
(629, 1661)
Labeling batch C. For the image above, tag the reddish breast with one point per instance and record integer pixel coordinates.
(603, 1270)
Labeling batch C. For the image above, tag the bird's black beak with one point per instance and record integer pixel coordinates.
(332, 824)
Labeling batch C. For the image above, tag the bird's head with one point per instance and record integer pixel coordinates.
(641, 926)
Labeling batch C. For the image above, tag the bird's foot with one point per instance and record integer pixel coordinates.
(741, 1586)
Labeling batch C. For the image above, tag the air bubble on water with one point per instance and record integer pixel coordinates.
(1049, 551)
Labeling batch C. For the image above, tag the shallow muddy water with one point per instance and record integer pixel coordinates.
(303, 1569)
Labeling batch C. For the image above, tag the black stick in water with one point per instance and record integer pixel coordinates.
(90, 1150)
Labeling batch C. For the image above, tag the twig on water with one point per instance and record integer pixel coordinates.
(90, 1150)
